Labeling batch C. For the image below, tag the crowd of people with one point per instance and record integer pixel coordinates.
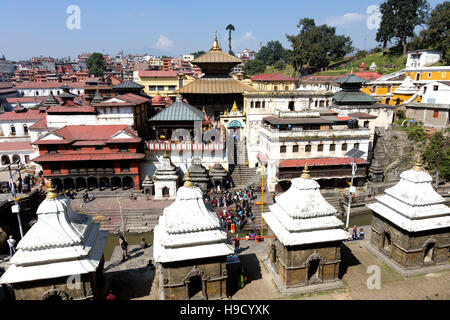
(233, 208)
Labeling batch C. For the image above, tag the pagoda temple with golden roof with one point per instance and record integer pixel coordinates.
(216, 90)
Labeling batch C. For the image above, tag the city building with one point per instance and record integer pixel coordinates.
(304, 252)
(62, 247)
(273, 82)
(38, 89)
(165, 83)
(91, 156)
(190, 250)
(411, 225)
(247, 54)
(422, 58)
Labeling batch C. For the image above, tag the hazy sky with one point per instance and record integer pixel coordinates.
(34, 28)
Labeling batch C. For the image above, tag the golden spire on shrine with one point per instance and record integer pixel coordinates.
(235, 108)
(215, 45)
(418, 166)
(51, 191)
(166, 155)
(305, 173)
(188, 182)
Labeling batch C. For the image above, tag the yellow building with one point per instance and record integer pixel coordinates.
(404, 86)
(273, 82)
(163, 82)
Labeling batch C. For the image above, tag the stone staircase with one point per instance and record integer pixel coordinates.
(136, 221)
(243, 176)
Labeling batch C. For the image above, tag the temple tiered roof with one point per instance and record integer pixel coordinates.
(61, 243)
(189, 229)
(301, 215)
(413, 204)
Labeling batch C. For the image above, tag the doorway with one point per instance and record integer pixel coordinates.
(428, 256)
(313, 271)
(165, 192)
(195, 287)
(387, 243)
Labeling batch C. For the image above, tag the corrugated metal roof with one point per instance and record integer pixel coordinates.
(216, 56)
(179, 111)
(215, 86)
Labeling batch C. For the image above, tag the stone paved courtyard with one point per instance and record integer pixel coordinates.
(260, 286)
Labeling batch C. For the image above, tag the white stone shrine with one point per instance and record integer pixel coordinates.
(60, 245)
(190, 247)
(165, 179)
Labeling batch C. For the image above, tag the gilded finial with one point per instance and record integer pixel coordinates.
(51, 191)
(234, 107)
(188, 182)
(418, 166)
(305, 173)
(166, 155)
(215, 45)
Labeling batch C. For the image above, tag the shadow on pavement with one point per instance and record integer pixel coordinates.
(347, 260)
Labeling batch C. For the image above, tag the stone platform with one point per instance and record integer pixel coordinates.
(406, 272)
(132, 278)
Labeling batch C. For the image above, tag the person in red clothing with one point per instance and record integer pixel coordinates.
(236, 245)
(110, 296)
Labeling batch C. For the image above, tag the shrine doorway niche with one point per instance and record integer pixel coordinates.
(69, 184)
(80, 183)
(195, 289)
(165, 192)
(92, 183)
(387, 243)
(54, 294)
(314, 266)
(116, 183)
(104, 183)
(58, 184)
(127, 183)
(429, 253)
(5, 160)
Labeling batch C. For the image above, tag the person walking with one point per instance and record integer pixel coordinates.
(236, 245)
(124, 245)
(110, 296)
(12, 245)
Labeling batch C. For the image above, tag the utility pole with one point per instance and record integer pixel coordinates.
(354, 167)
(16, 207)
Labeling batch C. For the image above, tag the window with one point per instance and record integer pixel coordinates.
(251, 104)
(263, 104)
(76, 148)
(25, 129)
(286, 88)
(275, 88)
(172, 88)
(344, 147)
(98, 147)
(435, 88)
(123, 148)
(124, 166)
(424, 90)
(37, 93)
(444, 74)
(321, 103)
(418, 76)
(387, 100)
(152, 88)
(366, 124)
(356, 146)
(258, 104)
(389, 88)
(52, 149)
(57, 92)
(429, 74)
(294, 148)
(283, 149)
(308, 148)
(291, 106)
(374, 90)
(160, 88)
(435, 113)
(332, 147)
(320, 148)
(13, 130)
(315, 103)
(55, 168)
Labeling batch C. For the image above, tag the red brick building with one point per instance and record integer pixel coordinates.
(91, 156)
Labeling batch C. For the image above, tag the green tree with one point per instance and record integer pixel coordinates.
(437, 154)
(95, 64)
(253, 67)
(230, 28)
(316, 46)
(271, 52)
(197, 54)
(437, 34)
(399, 18)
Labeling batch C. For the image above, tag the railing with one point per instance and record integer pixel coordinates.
(189, 146)
(316, 134)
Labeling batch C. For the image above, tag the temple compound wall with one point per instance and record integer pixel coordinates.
(203, 278)
(304, 265)
(410, 250)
